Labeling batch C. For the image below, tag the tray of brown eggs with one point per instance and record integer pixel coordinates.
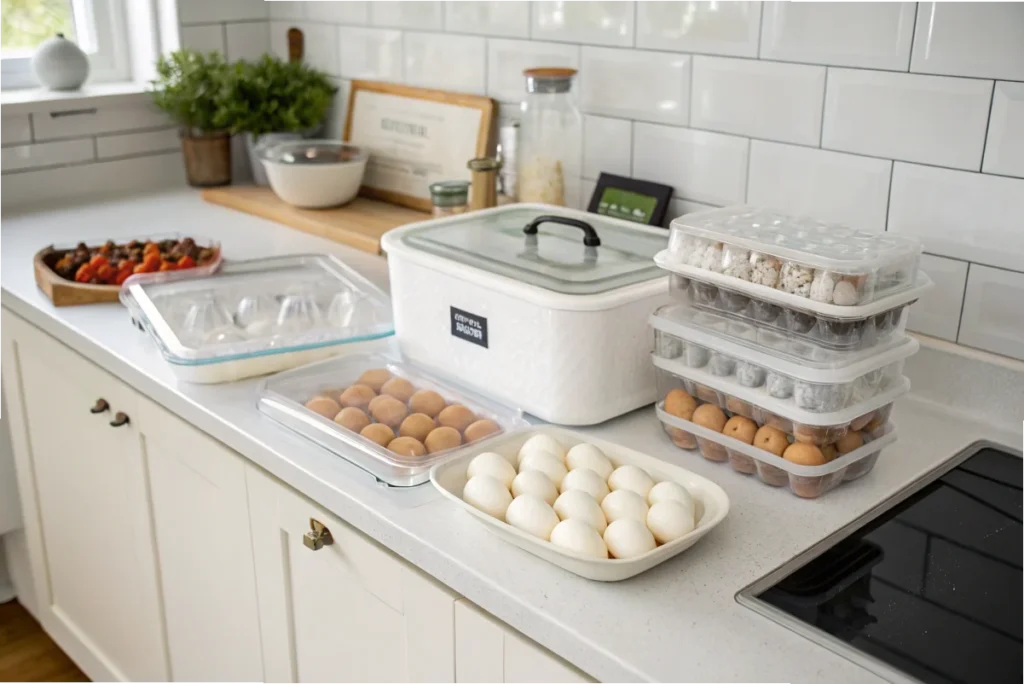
(388, 417)
(777, 458)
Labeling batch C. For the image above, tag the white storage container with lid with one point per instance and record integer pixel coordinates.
(541, 307)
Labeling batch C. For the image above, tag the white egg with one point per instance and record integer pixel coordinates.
(576, 535)
(669, 520)
(670, 491)
(632, 478)
(589, 456)
(585, 480)
(578, 505)
(623, 503)
(543, 443)
(535, 483)
(547, 463)
(487, 494)
(495, 465)
(532, 516)
(628, 538)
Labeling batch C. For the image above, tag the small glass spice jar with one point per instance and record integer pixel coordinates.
(484, 186)
(449, 197)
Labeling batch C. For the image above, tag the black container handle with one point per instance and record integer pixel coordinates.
(590, 238)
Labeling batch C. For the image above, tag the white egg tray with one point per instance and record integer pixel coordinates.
(807, 482)
(711, 502)
(815, 261)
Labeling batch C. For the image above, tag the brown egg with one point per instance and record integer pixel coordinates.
(771, 439)
(680, 404)
(399, 388)
(442, 438)
(417, 426)
(427, 401)
(358, 396)
(737, 405)
(389, 411)
(481, 429)
(850, 441)
(325, 406)
(456, 416)
(379, 433)
(811, 434)
(352, 418)
(377, 401)
(375, 378)
(859, 423)
(803, 454)
(829, 452)
(740, 428)
(709, 416)
(407, 446)
(876, 423)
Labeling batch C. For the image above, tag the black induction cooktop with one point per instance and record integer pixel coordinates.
(926, 587)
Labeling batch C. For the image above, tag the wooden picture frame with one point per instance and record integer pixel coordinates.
(429, 128)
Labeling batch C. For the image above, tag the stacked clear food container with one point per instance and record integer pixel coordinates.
(783, 352)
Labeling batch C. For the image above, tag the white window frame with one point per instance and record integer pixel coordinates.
(100, 25)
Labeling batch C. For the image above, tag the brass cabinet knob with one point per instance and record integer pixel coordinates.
(100, 406)
(120, 418)
(318, 536)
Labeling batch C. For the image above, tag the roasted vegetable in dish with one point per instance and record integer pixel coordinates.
(112, 264)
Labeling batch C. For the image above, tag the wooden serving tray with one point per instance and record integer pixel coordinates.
(66, 292)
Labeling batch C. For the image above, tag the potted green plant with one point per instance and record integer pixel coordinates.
(194, 90)
(273, 100)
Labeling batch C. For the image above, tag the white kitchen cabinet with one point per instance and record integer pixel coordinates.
(488, 650)
(348, 610)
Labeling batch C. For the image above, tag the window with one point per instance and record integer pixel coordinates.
(96, 25)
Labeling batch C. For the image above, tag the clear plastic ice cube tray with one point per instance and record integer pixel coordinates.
(821, 262)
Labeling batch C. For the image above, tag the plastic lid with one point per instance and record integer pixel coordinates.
(564, 251)
(312, 152)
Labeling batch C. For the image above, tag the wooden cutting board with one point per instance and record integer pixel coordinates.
(358, 224)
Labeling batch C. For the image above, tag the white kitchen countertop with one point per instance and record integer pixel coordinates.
(679, 621)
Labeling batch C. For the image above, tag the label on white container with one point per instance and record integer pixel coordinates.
(469, 327)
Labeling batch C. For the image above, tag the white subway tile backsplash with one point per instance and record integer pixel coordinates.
(287, 9)
(371, 53)
(973, 216)
(937, 312)
(338, 12)
(15, 129)
(830, 186)
(927, 119)
(607, 146)
(21, 157)
(981, 39)
(700, 166)
(508, 19)
(320, 43)
(207, 11)
(680, 207)
(90, 121)
(651, 86)
(446, 62)
(128, 144)
(872, 35)
(993, 318)
(422, 16)
(335, 126)
(592, 22)
(204, 38)
(760, 99)
(586, 191)
(718, 28)
(1004, 151)
(248, 40)
(506, 60)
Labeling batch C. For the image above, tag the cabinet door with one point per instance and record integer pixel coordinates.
(94, 561)
(200, 515)
(349, 611)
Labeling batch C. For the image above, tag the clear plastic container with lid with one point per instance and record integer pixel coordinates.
(550, 139)
(823, 263)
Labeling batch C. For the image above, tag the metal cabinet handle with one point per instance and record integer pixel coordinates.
(100, 406)
(318, 536)
(120, 418)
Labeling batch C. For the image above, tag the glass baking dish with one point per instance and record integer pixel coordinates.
(823, 263)
(295, 400)
(258, 316)
(829, 382)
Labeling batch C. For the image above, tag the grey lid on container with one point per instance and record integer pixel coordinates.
(555, 257)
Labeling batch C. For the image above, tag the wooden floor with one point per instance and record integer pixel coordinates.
(27, 654)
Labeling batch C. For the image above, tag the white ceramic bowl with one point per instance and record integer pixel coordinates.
(314, 174)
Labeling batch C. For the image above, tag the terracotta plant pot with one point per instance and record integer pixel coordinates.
(207, 158)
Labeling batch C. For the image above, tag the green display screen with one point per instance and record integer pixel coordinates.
(623, 204)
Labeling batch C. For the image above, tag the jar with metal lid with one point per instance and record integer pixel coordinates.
(484, 186)
(550, 139)
(449, 197)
